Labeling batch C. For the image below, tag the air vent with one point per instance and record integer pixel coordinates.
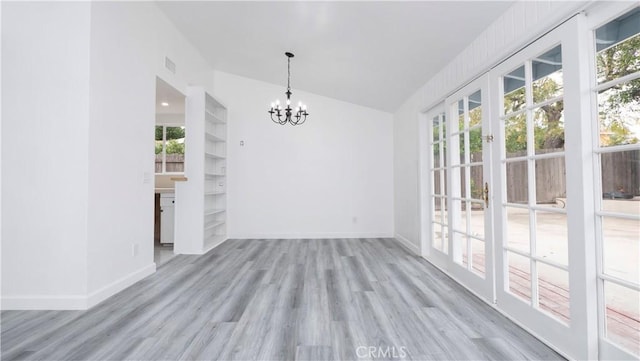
(169, 64)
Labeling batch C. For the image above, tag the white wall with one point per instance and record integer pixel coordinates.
(0, 153)
(520, 24)
(405, 172)
(45, 93)
(78, 166)
(125, 60)
(310, 180)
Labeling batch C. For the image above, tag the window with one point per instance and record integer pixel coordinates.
(466, 172)
(533, 164)
(439, 238)
(617, 156)
(169, 149)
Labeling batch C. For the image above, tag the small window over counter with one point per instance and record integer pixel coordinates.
(169, 149)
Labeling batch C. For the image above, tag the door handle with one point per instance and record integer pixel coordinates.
(485, 194)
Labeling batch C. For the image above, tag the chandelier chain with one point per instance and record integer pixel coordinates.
(289, 74)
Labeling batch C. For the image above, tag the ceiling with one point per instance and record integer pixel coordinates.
(375, 54)
(168, 99)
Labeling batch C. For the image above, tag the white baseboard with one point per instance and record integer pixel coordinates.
(68, 302)
(75, 302)
(407, 243)
(319, 235)
(207, 249)
(111, 289)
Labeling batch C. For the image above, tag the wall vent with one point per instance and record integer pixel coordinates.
(169, 64)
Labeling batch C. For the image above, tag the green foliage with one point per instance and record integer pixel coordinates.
(617, 104)
(172, 132)
(173, 147)
(514, 101)
(475, 135)
(175, 133)
(515, 133)
(619, 60)
(548, 127)
(175, 140)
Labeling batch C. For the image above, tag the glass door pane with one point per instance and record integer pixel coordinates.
(467, 167)
(437, 144)
(617, 155)
(468, 176)
(532, 164)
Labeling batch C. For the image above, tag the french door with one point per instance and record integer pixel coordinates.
(460, 181)
(469, 184)
(509, 215)
(533, 209)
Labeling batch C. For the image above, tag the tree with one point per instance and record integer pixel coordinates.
(174, 147)
(548, 124)
(174, 140)
(172, 132)
(619, 106)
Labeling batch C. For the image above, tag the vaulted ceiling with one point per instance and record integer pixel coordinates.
(374, 54)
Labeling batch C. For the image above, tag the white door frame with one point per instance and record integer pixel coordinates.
(427, 250)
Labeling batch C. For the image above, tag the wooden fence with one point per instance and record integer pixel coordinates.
(620, 172)
(174, 163)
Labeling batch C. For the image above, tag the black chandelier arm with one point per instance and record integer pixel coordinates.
(279, 116)
(300, 118)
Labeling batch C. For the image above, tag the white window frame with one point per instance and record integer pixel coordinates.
(437, 257)
(600, 15)
(164, 147)
(572, 339)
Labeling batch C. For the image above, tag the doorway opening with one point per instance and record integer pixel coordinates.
(169, 166)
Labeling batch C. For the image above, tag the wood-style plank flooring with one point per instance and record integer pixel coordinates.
(332, 299)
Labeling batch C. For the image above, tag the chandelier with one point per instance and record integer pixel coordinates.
(295, 116)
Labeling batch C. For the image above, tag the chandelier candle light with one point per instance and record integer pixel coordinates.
(295, 116)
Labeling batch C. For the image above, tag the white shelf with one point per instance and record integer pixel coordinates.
(210, 212)
(213, 118)
(214, 156)
(209, 226)
(214, 137)
(214, 240)
(215, 115)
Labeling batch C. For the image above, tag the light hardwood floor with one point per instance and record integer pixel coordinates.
(335, 299)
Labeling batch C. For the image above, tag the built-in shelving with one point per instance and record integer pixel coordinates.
(215, 151)
(209, 212)
(213, 118)
(214, 138)
(216, 156)
(213, 225)
(210, 176)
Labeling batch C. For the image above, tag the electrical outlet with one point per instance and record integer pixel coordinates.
(134, 249)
